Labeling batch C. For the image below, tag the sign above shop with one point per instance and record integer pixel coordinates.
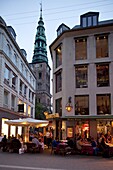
(52, 116)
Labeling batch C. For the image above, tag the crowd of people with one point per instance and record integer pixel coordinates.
(99, 145)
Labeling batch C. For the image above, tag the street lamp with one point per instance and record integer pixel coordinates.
(69, 105)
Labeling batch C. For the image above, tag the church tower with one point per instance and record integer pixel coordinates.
(41, 67)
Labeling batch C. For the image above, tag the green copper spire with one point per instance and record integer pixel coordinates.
(40, 51)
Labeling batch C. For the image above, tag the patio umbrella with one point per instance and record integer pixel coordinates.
(28, 122)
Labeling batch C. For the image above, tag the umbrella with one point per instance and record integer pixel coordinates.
(28, 122)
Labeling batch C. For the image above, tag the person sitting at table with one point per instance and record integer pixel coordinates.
(36, 141)
(79, 143)
(15, 145)
(42, 145)
(94, 145)
(55, 143)
(108, 137)
(4, 143)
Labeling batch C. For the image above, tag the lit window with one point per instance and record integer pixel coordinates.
(82, 105)
(102, 46)
(58, 56)
(102, 75)
(103, 104)
(81, 49)
(81, 73)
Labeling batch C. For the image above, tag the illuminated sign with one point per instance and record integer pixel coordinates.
(51, 116)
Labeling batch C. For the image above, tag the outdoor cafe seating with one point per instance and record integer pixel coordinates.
(62, 148)
(31, 148)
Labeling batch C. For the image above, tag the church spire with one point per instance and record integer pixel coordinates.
(40, 52)
(40, 10)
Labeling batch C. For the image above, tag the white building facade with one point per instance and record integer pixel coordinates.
(82, 73)
(17, 81)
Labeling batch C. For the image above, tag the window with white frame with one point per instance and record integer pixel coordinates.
(6, 74)
(13, 102)
(14, 79)
(6, 96)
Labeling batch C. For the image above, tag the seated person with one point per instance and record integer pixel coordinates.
(55, 142)
(36, 141)
(79, 143)
(42, 144)
(15, 145)
(94, 145)
(4, 143)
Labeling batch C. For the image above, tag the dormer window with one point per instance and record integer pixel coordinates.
(62, 28)
(89, 19)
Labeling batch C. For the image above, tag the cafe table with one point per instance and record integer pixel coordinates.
(87, 149)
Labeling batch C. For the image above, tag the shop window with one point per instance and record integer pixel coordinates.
(70, 132)
(58, 108)
(82, 128)
(102, 75)
(102, 46)
(81, 49)
(58, 82)
(81, 73)
(103, 104)
(103, 126)
(58, 56)
(82, 105)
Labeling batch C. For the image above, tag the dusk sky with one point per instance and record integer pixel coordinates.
(23, 16)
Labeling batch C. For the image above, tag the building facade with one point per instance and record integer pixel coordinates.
(17, 81)
(41, 67)
(82, 77)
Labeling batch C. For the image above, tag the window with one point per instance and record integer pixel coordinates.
(6, 94)
(6, 75)
(29, 111)
(12, 102)
(14, 78)
(39, 86)
(102, 75)
(103, 104)
(81, 49)
(58, 56)
(59, 106)
(84, 22)
(21, 84)
(40, 75)
(95, 20)
(15, 59)
(58, 82)
(70, 132)
(82, 105)
(102, 46)
(25, 90)
(89, 21)
(81, 73)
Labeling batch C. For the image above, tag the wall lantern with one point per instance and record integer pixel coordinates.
(69, 105)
